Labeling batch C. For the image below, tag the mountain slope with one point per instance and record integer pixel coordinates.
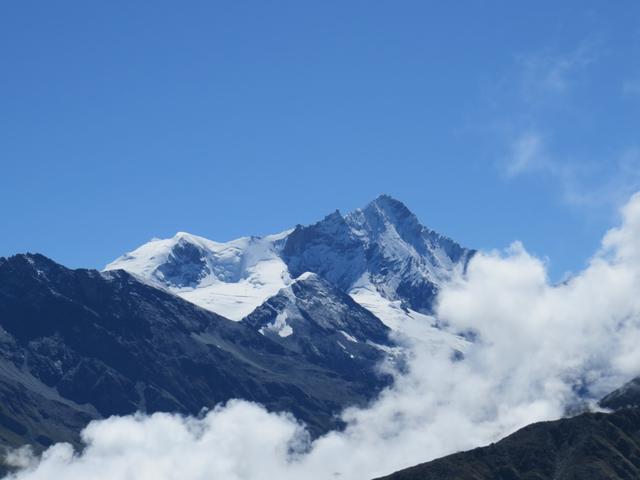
(82, 344)
(405, 260)
(594, 446)
(314, 319)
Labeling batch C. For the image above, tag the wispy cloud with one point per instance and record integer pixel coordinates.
(610, 183)
(544, 107)
(543, 73)
(584, 182)
(526, 154)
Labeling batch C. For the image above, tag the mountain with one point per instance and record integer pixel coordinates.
(313, 318)
(382, 247)
(381, 255)
(227, 278)
(594, 446)
(81, 344)
(626, 396)
(299, 321)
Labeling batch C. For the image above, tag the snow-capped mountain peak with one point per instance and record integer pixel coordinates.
(229, 278)
(381, 248)
(405, 260)
(382, 245)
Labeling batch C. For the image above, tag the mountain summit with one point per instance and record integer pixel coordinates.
(380, 251)
(229, 278)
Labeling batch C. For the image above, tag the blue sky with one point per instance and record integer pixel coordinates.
(493, 121)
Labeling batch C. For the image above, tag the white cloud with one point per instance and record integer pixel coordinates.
(581, 182)
(526, 154)
(537, 345)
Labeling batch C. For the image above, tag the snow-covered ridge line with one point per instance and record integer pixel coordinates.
(381, 248)
(229, 278)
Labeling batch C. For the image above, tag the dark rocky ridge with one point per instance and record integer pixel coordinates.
(79, 344)
(591, 446)
(626, 396)
(327, 327)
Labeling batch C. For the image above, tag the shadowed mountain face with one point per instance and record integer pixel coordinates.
(626, 396)
(405, 260)
(328, 248)
(382, 245)
(593, 446)
(79, 344)
(316, 320)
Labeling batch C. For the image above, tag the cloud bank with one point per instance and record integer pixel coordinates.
(538, 350)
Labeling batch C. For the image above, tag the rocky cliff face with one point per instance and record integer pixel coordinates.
(382, 245)
(313, 318)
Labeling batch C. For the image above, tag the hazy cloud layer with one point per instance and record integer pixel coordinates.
(538, 349)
